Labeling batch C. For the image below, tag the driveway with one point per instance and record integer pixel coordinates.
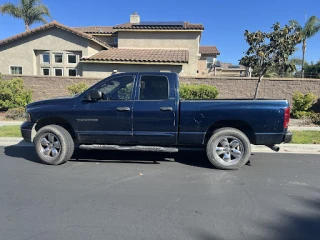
(122, 195)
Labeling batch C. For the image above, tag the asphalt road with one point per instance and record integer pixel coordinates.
(179, 196)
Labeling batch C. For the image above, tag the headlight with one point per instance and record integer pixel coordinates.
(28, 117)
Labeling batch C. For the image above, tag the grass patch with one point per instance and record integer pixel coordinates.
(306, 137)
(10, 131)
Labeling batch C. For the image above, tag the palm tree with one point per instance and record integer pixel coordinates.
(30, 11)
(311, 27)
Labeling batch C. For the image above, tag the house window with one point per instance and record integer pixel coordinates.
(58, 71)
(115, 40)
(72, 72)
(58, 58)
(46, 58)
(72, 58)
(209, 62)
(46, 71)
(16, 70)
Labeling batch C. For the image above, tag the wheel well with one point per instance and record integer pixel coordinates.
(56, 121)
(240, 125)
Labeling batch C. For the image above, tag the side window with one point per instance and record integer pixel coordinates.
(117, 88)
(154, 88)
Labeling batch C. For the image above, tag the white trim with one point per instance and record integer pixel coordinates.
(54, 71)
(72, 69)
(54, 57)
(42, 62)
(15, 73)
(46, 68)
(72, 54)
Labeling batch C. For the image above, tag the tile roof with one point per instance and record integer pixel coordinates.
(141, 55)
(96, 29)
(209, 50)
(57, 25)
(230, 66)
(185, 26)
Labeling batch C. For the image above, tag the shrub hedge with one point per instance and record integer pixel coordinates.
(302, 104)
(198, 91)
(13, 94)
(77, 88)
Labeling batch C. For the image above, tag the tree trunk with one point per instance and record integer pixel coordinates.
(304, 47)
(27, 27)
(258, 85)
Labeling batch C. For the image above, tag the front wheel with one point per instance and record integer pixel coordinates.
(228, 149)
(54, 145)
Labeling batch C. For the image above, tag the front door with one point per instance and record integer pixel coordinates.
(155, 112)
(109, 120)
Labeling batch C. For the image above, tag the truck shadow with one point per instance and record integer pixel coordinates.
(191, 158)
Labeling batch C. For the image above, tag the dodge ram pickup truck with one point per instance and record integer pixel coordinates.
(143, 112)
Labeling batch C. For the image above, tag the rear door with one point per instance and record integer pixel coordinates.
(155, 111)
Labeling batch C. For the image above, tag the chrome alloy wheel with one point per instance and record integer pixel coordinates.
(50, 145)
(229, 150)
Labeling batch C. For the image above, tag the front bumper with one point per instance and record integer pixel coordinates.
(27, 131)
(287, 137)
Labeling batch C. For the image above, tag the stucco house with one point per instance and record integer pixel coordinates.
(99, 51)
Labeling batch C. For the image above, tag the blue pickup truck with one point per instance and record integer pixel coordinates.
(144, 112)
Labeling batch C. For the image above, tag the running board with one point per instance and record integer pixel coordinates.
(129, 148)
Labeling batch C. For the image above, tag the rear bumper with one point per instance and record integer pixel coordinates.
(287, 137)
(27, 131)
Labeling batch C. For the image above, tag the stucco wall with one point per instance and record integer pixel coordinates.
(107, 39)
(228, 87)
(104, 70)
(177, 40)
(202, 65)
(232, 87)
(22, 52)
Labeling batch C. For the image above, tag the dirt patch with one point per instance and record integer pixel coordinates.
(2, 115)
(302, 123)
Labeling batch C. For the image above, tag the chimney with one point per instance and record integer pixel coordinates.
(134, 18)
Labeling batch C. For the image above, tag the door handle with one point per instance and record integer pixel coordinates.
(123, 109)
(168, 109)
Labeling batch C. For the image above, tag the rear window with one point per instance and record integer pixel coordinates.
(154, 88)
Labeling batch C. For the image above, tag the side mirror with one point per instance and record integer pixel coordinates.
(94, 95)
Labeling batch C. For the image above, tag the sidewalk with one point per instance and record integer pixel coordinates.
(284, 148)
(10, 123)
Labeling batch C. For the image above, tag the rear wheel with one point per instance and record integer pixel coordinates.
(228, 149)
(54, 145)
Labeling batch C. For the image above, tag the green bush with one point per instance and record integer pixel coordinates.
(302, 103)
(198, 91)
(15, 114)
(13, 94)
(77, 88)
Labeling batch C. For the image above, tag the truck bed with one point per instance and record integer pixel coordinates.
(263, 118)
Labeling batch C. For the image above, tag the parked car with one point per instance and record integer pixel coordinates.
(143, 112)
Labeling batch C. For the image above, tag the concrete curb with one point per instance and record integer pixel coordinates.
(296, 128)
(284, 148)
(10, 123)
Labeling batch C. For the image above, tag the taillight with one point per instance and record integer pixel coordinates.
(286, 117)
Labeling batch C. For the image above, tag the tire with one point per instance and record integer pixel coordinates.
(228, 156)
(53, 137)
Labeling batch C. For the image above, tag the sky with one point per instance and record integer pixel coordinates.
(224, 20)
